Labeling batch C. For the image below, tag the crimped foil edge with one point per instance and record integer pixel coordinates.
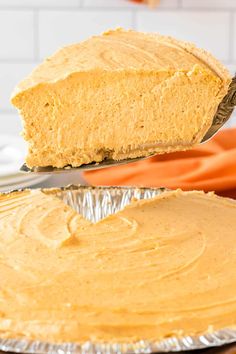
(172, 344)
(105, 201)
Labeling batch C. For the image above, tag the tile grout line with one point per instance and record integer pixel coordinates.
(231, 36)
(113, 8)
(180, 4)
(36, 35)
(18, 61)
(133, 19)
(9, 111)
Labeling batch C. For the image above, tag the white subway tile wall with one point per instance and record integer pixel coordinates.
(33, 29)
(16, 35)
(41, 3)
(195, 28)
(216, 4)
(74, 26)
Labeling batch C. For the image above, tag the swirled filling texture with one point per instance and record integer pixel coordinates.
(160, 267)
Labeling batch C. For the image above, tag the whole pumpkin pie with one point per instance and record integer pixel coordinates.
(123, 94)
(159, 268)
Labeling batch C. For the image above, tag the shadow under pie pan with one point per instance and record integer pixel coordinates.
(95, 203)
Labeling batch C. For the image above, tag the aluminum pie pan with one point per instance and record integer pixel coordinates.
(96, 203)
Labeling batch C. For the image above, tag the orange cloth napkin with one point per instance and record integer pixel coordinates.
(209, 167)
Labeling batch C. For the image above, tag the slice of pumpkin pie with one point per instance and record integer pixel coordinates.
(119, 95)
